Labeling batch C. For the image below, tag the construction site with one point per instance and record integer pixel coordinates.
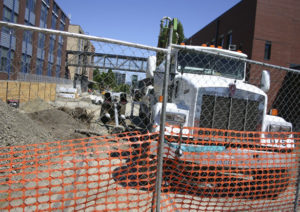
(197, 128)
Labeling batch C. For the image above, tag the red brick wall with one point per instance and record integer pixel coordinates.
(239, 19)
(277, 21)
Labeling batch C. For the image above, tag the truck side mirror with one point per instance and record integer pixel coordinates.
(149, 90)
(151, 66)
(265, 81)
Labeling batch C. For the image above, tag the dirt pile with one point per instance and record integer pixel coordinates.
(79, 113)
(18, 129)
(35, 106)
(61, 125)
(38, 122)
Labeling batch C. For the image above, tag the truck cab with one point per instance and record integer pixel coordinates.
(207, 89)
(209, 100)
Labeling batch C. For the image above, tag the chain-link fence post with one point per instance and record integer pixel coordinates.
(162, 126)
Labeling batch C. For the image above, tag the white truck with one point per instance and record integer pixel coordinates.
(207, 89)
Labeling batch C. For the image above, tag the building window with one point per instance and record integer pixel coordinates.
(229, 39)
(268, 46)
(41, 40)
(39, 66)
(25, 63)
(221, 41)
(44, 14)
(55, 8)
(30, 12)
(53, 21)
(49, 73)
(57, 71)
(30, 4)
(9, 15)
(63, 17)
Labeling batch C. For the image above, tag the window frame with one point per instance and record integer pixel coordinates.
(268, 50)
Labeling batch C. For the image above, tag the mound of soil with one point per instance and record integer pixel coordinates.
(18, 129)
(61, 125)
(79, 114)
(35, 106)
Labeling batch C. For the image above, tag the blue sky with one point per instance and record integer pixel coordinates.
(138, 20)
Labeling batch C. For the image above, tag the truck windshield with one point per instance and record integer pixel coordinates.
(208, 64)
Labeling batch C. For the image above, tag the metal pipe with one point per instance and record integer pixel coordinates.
(162, 126)
(80, 36)
(116, 113)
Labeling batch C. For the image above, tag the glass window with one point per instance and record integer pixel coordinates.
(9, 15)
(26, 63)
(63, 17)
(206, 64)
(49, 69)
(268, 46)
(55, 8)
(229, 40)
(53, 21)
(41, 41)
(30, 4)
(44, 14)
(27, 36)
(4, 60)
(39, 66)
(61, 27)
(57, 71)
(221, 41)
(3, 64)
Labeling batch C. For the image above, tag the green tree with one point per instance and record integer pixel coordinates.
(106, 80)
(122, 88)
(163, 38)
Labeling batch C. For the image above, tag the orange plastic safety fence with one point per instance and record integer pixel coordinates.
(107, 173)
(217, 170)
(203, 170)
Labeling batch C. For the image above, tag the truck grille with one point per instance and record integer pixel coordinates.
(221, 112)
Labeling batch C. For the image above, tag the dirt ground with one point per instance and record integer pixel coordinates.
(37, 122)
(19, 129)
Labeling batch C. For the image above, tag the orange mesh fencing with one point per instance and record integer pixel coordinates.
(107, 173)
(217, 170)
(203, 170)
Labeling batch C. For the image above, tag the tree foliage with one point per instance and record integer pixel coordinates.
(163, 38)
(107, 81)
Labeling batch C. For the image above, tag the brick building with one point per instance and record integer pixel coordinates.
(267, 31)
(24, 52)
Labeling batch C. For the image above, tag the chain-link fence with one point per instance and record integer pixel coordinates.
(198, 129)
